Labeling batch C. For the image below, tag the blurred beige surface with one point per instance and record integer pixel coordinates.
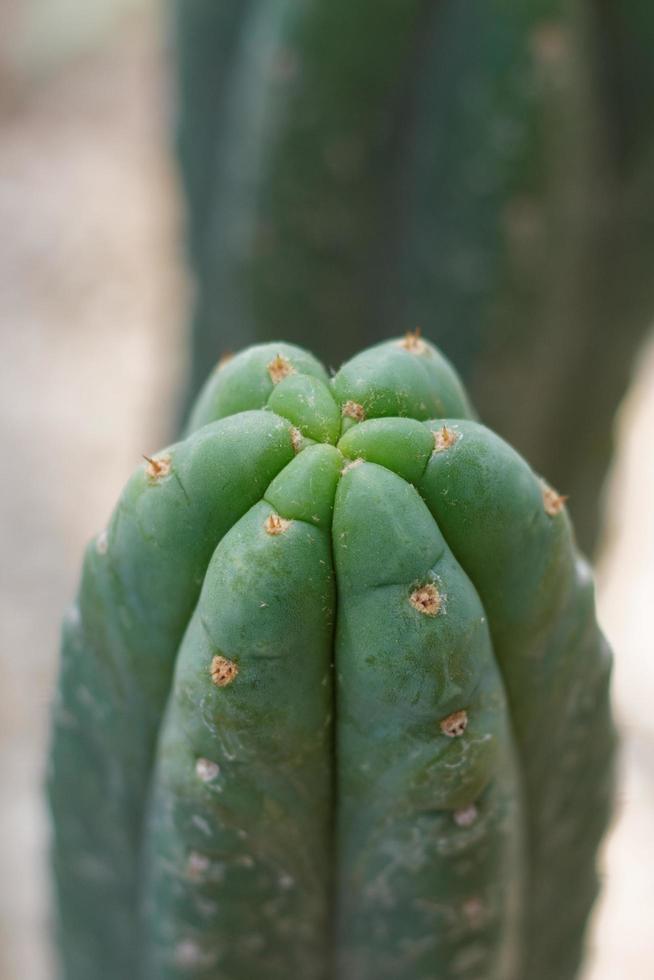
(623, 937)
(91, 301)
(91, 322)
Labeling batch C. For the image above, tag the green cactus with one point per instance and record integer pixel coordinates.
(482, 169)
(333, 700)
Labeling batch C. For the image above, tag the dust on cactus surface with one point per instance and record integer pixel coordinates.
(333, 698)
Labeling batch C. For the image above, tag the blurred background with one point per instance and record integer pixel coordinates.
(315, 154)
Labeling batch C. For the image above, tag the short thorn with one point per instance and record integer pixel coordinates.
(553, 502)
(444, 438)
(279, 368)
(413, 342)
(276, 525)
(157, 466)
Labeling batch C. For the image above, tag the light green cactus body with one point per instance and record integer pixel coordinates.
(334, 700)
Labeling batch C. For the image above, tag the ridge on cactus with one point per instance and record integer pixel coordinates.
(333, 699)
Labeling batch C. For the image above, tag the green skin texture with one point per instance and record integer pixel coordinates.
(311, 818)
(482, 169)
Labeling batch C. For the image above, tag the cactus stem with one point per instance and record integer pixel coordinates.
(223, 671)
(279, 368)
(157, 466)
(102, 542)
(553, 502)
(353, 410)
(444, 438)
(455, 724)
(427, 600)
(276, 524)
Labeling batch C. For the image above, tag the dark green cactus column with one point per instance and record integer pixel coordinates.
(333, 700)
(480, 169)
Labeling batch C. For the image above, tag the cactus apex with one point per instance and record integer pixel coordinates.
(406, 601)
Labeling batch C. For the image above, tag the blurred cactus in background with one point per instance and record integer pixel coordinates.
(478, 169)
